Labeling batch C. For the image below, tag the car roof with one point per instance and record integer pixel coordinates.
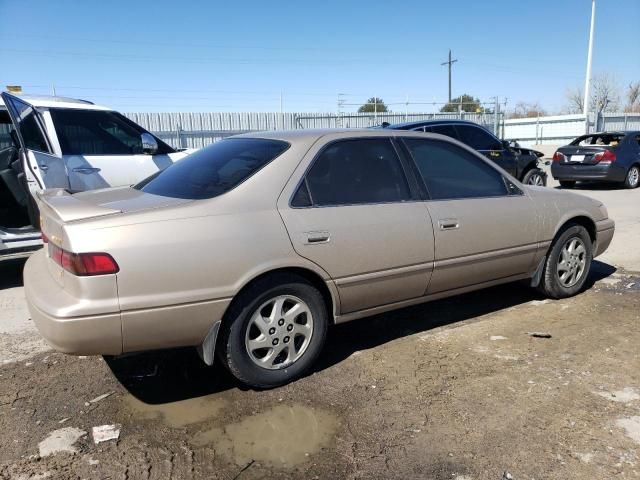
(317, 133)
(49, 101)
(422, 123)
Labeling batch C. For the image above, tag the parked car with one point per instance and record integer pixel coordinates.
(69, 144)
(599, 157)
(523, 165)
(251, 247)
(514, 145)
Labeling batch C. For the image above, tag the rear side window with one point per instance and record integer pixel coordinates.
(99, 132)
(448, 130)
(449, 172)
(356, 172)
(214, 170)
(477, 138)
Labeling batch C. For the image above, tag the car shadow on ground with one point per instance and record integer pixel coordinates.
(179, 374)
(596, 186)
(11, 273)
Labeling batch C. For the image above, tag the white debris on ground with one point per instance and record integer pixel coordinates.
(101, 397)
(631, 427)
(537, 303)
(497, 337)
(626, 395)
(104, 433)
(584, 457)
(61, 440)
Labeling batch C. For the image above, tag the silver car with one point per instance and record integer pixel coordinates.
(250, 248)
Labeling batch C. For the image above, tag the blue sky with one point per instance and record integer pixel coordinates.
(240, 56)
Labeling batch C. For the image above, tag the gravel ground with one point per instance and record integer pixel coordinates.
(454, 389)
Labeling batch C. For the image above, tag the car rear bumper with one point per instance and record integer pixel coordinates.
(78, 335)
(603, 173)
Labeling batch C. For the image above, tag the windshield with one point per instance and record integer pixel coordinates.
(213, 170)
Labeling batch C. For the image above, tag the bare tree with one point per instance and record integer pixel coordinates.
(575, 100)
(633, 98)
(604, 95)
(527, 110)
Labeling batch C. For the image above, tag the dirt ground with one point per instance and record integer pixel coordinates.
(454, 389)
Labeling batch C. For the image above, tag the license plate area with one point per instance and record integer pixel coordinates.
(576, 158)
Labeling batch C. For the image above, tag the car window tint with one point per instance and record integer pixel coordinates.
(5, 128)
(301, 197)
(357, 171)
(450, 172)
(477, 138)
(213, 170)
(448, 130)
(32, 134)
(98, 132)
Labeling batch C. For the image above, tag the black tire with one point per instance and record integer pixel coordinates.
(632, 180)
(567, 183)
(550, 283)
(234, 353)
(533, 174)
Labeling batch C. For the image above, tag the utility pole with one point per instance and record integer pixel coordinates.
(587, 80)
(450, 63)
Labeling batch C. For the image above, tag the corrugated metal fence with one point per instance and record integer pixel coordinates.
(560, 129)
(195, 130)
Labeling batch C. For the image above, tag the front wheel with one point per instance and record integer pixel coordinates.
(275, 331)
(535, 176)
(632, 180)
(568, 263)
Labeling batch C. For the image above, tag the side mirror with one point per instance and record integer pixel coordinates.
(506, 144)
(149, 144)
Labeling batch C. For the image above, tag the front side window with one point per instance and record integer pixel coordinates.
(29, 126)
(357, 172)
(477, 138)
(213, 170)
(98, 132)
(450, 172)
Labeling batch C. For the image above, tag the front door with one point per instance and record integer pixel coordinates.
(355, 216)
(483, 230)
(41, 167)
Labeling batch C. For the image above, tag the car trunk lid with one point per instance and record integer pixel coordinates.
(583, 155)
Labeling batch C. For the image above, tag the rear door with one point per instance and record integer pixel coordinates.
(485, 228)
(102, 148)
(41, 167)
(355, 215)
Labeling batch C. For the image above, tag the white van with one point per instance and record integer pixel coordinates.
(56, 142)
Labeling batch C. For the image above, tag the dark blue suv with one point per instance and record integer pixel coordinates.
(521, 163)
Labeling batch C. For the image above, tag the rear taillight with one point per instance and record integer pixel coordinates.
(83, 264)
(559, 157)
(607, 156)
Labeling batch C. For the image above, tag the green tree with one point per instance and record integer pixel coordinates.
(374, 104)
(469, 104)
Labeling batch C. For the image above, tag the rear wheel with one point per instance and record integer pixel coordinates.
(567, 183)
(568, 263)
(535, 176)
(275, 331)
(632, 180)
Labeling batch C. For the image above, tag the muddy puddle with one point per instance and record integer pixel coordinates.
(178, 414)
(282, 436)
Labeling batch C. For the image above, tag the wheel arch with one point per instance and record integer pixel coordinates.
(582, 220)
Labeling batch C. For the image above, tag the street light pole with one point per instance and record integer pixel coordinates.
(587, 81)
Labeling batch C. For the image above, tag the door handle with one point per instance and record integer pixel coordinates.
(85, 170)
(318, 237)
(44, 168)
(449, 224)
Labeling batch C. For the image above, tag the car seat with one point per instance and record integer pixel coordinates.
(9, 175)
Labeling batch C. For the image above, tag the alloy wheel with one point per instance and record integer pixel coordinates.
(572, 262)
(536, 179)
(279, 332)
(633, 177)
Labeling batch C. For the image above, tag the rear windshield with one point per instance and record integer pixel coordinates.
(213, 170)
(607, 139)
